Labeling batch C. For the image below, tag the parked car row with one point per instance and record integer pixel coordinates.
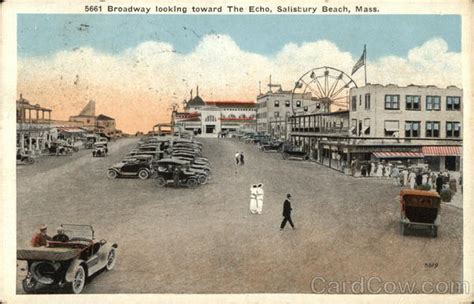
(267, 143)
(170, 160)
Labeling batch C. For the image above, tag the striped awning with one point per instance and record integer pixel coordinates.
(441, 150)
(398, 154)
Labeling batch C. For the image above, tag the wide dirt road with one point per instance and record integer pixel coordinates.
(204, 240)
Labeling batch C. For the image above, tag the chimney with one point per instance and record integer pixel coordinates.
(197, 90)
(21, 96)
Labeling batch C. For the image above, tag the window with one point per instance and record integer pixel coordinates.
(453, 103)
(453, 129)
(287, 114)
(392, 102)
(354, 103)
(353, 129)
(412, 129)
(276, 114)
(433, 103)
(287, 103)
(412, 102)
(211, 118)
(233, 116)
(298, 103)
(305, 109)
(277, 103)
(366, 129)
(242, 116)
(367, 101)
(432, 129)
(360, 100)
(391, 128)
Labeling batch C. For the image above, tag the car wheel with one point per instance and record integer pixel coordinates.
(192, 183)
(30, 161)
(29, 284)
(111, 174)
(202, 179)
(160, 181)
(111, 257)
(77, 284)
(143, 174)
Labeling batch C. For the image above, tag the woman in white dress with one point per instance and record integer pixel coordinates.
(412, 179)
(259, 198)
(373, 168)
(379, 169)
(253, 199)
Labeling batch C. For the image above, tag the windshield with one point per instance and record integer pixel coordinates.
(78, 231)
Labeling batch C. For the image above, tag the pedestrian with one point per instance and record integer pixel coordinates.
(412, 179)
(287, 213)
(41, 238)
(373, 168)
(439, 183)
(260, 194)
(369, 168)
(419, 178)
(363, 171)
(253, 199)
(237, 158)
(176, 176)
(242, 158)
(396, 175)
(405, 177)
(379, 169)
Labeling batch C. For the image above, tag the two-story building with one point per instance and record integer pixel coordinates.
(33, 126)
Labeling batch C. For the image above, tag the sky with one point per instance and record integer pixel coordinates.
(134, 66)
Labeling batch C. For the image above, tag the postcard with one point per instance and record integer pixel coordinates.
(236, 152)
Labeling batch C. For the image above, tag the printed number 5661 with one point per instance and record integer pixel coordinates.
(93, 8)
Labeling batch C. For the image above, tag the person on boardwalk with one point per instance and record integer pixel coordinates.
(287, 213)
(242, 158)
(260, 198)
(253, 199)
(237, 158)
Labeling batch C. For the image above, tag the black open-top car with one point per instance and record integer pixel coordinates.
(134, 166)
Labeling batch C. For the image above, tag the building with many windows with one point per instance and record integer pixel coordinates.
(274, 109)
(211, 118)
(388, 123)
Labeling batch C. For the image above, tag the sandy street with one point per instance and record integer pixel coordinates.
(204, 240)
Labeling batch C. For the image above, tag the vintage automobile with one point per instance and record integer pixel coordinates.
(157, 155)
(202, 172)
(274, 146)
(165, 173)
(60, 148)
(419, 208)
(23, 158)
(100, 149)
(67, 263)
(134, 166)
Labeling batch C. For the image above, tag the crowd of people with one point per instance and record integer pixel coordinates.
(412, 177)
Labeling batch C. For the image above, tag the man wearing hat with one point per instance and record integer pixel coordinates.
(287, 213)
(41, 238)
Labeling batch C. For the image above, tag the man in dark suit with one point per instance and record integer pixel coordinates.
(287, 213)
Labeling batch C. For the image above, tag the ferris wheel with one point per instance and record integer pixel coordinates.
(321, 89)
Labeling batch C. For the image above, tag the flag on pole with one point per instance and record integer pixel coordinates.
(359, 63)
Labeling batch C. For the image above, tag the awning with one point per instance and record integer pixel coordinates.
(391, 129)
(441, 150)
(71, 130)
(398, 154)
